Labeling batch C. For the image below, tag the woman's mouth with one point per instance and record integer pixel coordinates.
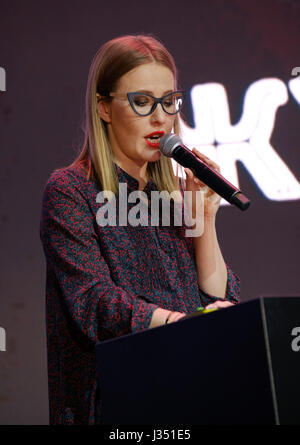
(153, 139)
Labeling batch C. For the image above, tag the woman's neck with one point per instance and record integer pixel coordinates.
(137, 172)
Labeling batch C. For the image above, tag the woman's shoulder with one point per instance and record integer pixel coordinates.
(70, 175)
(70, 180)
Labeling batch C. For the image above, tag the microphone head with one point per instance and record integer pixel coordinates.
(168, 143)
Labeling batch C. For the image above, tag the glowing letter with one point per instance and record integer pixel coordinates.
(247, 141)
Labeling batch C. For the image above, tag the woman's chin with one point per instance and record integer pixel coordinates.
(155, 156)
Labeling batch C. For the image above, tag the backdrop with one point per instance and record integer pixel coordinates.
(235, 58)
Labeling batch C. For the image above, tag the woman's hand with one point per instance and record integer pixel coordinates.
(211, 198)
(175, 316)
(219, 305)
(161, 316)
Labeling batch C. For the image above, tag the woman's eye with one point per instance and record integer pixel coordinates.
(140, 101)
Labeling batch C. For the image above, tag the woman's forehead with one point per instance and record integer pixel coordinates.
(149, 77)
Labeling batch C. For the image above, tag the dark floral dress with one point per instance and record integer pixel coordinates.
(103, 282)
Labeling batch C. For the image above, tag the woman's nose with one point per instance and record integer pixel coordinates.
(158, 114)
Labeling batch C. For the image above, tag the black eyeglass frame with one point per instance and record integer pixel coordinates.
(157, 100)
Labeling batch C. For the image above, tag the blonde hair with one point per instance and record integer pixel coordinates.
(114, 59)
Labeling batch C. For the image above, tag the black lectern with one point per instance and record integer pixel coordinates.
(239, 365)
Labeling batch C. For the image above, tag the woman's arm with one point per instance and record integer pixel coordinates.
(212, 272)
(99, 308)
(211, 267)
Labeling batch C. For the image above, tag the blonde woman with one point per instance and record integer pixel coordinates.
(104, 281)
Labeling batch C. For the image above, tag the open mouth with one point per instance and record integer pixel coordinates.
(153, 139)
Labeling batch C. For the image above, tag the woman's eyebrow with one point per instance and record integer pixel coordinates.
(151, 92)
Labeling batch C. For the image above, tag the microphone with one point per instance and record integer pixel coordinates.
(172, 147)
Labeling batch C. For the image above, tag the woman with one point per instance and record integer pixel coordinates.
(108, 280)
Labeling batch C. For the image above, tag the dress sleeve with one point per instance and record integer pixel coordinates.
(99, 307)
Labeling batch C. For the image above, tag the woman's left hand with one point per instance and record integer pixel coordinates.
(219, 304)
(211, 198)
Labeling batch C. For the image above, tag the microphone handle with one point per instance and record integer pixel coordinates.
(210, 177)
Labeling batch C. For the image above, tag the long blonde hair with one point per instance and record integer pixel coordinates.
(114, 59)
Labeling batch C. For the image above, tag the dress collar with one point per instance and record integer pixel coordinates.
(132, 183)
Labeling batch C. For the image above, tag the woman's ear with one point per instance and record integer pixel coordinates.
(104, 110)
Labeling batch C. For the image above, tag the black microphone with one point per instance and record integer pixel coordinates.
(172, 147)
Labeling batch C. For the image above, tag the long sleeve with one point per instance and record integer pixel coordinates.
(103, 282)
(99, 308)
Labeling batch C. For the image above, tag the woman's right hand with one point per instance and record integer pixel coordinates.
(160, 316)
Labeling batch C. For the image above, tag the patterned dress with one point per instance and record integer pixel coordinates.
(104, 282)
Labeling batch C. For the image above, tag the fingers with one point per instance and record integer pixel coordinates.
(194, 183)
(219, 305)
(191, 177)
(206, 160)
(175, 316)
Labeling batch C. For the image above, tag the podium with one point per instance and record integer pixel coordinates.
(237, 365)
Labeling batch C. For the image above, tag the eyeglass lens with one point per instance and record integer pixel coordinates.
(171, 104)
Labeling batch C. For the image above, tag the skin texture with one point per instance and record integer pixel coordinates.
(126, 129)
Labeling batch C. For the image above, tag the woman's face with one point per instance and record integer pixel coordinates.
(127, 130)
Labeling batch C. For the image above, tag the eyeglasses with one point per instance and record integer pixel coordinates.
(144, 104)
